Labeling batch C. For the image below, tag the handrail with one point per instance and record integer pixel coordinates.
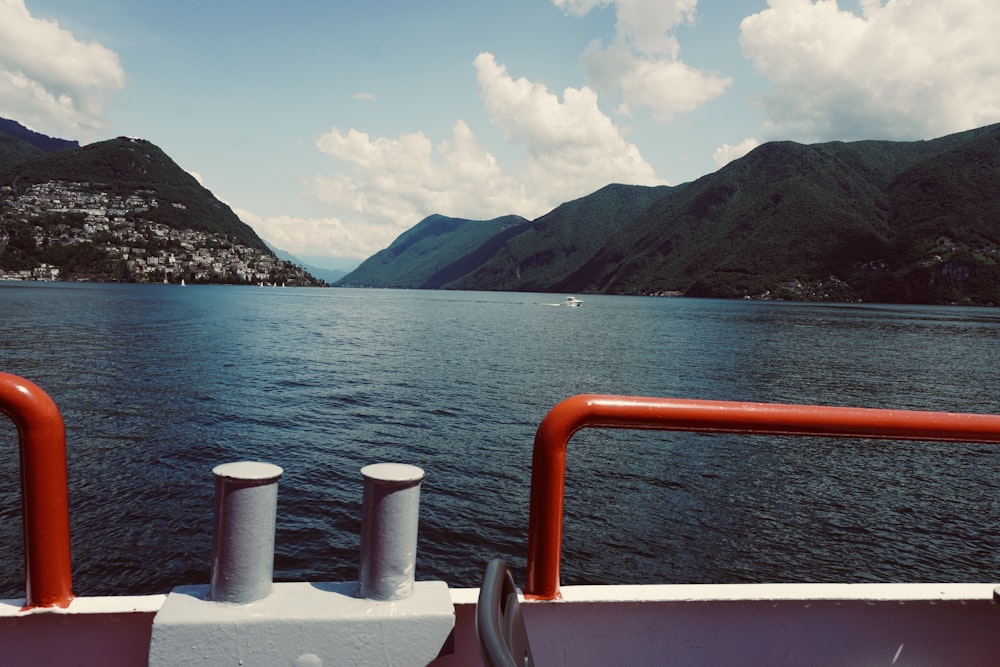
(548, 466)
(44, 491)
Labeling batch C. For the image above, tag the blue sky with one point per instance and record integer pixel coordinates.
(332, 127)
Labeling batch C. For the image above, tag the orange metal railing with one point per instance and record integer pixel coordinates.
(44, 494)
(548, 468)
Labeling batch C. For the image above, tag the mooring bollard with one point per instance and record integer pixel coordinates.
(384, 618)
(389, 530)
(246, 502)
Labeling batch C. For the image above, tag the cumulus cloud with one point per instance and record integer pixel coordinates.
(50, 80)
(395, 181)
(572, 145)
(579, 7)
(389, 183)
(899, 70)
(725, 153)
(317, 236)
(667, 87)
(643, 63)
(364, 96)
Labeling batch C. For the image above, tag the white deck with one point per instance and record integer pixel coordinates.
(755, 624)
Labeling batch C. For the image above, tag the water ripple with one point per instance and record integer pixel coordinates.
(157, 386)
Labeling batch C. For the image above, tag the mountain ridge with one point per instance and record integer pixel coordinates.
(847, 221)
(119, 209)
(11, 130)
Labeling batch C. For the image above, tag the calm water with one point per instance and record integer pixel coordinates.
(158, 384)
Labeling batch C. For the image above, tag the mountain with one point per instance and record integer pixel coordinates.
(18, 143)
(119, 210)
(866, 220)
(331, 263)
(508, 253)
(543, 253)
(327, 275)
(435, 251)
(125, 165)
(818, 221)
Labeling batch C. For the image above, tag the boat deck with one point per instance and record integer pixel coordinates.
(694, 625)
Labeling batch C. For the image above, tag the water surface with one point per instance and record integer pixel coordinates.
(159, 383)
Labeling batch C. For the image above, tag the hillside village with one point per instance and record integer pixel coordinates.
(101, 235)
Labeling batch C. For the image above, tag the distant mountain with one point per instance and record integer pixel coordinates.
(867, 220)
(331, 263)
(326, 275)
(544, 252)
(18, 143)
(434, 252)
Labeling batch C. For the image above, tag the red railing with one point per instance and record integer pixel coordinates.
(548, 466)
(44, 494)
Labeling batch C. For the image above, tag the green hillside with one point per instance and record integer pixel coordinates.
(122, 211)
(546, 251)
(867, 220)
(13, 151)
(431, 253)
(19, 144)
(783, 211)
(125, 165)
(944, 230)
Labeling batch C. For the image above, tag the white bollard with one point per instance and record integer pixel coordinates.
(389, 530)
(246, 502)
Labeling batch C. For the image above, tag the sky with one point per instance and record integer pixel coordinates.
(332, 127)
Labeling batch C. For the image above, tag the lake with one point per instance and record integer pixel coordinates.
(159, 383)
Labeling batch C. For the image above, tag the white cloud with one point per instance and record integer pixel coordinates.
(648, 24)
(364, 96)
(51, 81)
(579, 7)
(395, 182)
(318, 236)
(643, 63)
(900, 70)
(666, 86)
(725, 153)
(390, 184)
(573, 147)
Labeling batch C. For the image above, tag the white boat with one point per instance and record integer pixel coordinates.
(572, 301)
(313, 624)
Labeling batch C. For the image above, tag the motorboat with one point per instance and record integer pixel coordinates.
(572, 301)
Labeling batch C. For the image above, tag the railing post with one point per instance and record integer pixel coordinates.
(246, 502)
(44, 491)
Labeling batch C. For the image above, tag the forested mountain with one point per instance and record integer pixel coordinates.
(867, 220)
(119, 210)
(18, 143)
(539, 254)
(435, 252)
(123, 166)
